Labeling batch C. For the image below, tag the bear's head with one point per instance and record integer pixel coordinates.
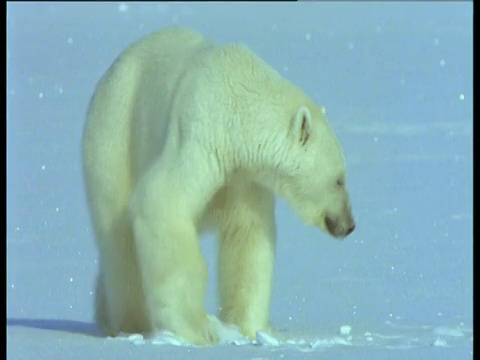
(315, 182)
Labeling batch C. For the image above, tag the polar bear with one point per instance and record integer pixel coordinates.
(184, 136)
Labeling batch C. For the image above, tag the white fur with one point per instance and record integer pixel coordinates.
(182, 136)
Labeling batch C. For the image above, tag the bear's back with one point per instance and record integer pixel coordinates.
(165, 43)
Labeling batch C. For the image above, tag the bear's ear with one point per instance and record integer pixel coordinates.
(302, 124)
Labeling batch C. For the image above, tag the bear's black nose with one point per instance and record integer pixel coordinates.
(350, 229)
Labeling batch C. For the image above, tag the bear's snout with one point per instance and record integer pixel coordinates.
(339, 227)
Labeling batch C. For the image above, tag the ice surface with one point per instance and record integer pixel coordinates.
(397, 81)
(230, 336)
(442, 330)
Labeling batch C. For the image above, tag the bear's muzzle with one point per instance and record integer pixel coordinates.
(340, 227)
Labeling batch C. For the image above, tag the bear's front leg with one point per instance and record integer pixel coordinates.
(172, 267)
(247, 250)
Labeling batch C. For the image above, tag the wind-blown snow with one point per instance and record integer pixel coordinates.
(396, 79)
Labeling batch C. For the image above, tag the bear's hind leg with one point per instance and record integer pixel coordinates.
(101, 315)
(120, 302)
(247, 249)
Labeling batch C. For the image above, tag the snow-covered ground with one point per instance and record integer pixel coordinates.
(396, 81)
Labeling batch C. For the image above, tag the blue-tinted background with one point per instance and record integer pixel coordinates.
(396, 81)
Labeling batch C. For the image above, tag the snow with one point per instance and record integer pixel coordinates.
(123, 7)
(401, 286)
(345, 329)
